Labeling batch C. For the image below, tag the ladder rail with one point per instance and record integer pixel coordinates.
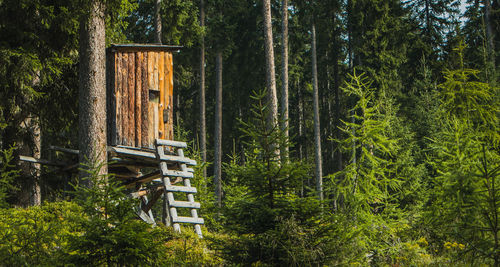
(187, 183)
(170, 204)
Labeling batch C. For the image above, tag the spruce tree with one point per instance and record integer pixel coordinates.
(465, 202)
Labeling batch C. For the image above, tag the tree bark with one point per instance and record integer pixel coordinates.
(428, 25)
(203, 127)
(300, 111)
(92, 89)
(218, 130)
(284, 67)
(31, 146)
(337, 111)
(317, 133)
(34, 148)
(490, 35)
(157, 21)
(272, 100)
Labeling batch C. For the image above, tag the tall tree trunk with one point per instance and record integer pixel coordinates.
(300, 111)
(351, 64)
(317, 133)
(300, 148)
(31, 146)
(157, 21)
(34, 148)
(272, 100)
(92, 89)
(490, 36)
(428, 25)
(349, 34)
(36, 196)
(327, 118)
(337, 111)
(203, 127)
(284, 69)
(218, 130)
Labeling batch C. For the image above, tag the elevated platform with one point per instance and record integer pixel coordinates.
(166, 167)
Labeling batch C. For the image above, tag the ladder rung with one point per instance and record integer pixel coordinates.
(174, 173)
(163, 142)
(177, 159)
(180, 219)
(185, 204)
(185, 189)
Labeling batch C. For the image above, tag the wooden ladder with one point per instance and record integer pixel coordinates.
(170, 204)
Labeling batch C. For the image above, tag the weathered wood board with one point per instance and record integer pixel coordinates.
(140, 94)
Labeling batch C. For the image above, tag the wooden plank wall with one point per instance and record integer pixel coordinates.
(140, 97)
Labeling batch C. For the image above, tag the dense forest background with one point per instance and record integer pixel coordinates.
(382, 148)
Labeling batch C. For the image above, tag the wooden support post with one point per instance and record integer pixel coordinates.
(124, 105)
(117, 132)
(138, 98)
(131, 100)
(145, 102)
(161, 85)
(158, 193)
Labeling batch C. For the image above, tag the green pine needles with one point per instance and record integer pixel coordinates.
(465, 156)
(367, 182)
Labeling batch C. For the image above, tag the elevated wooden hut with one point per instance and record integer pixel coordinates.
(139, 94)
(140, 134)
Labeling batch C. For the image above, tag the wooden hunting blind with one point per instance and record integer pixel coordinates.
(139, 94)
(141, 151)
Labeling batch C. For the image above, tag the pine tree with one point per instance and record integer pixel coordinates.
(367, 184)
(466, 160)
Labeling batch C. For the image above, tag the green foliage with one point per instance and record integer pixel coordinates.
(37, 236)
(8, 174)
(262, 171)
(99, 228)
(271, 224)
(111, 234)
(180, 24)
(464, 97)
(416, 162)
(465, 202)
(467, 196)
(367, 183)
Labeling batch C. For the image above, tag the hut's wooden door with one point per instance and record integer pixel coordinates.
(160, 77)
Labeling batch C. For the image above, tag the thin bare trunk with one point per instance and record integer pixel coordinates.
(284, 69)
(427, 18)
(218, 130)
(337, 111)
(92, 91)
(158, 21)
(300, 108)
(317, 133)
(490, 34)
(33, 125)
(203, 127)
(31, 146)
(272, 100)
(300, 129)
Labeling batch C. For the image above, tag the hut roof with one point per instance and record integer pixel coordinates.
(144, 47)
